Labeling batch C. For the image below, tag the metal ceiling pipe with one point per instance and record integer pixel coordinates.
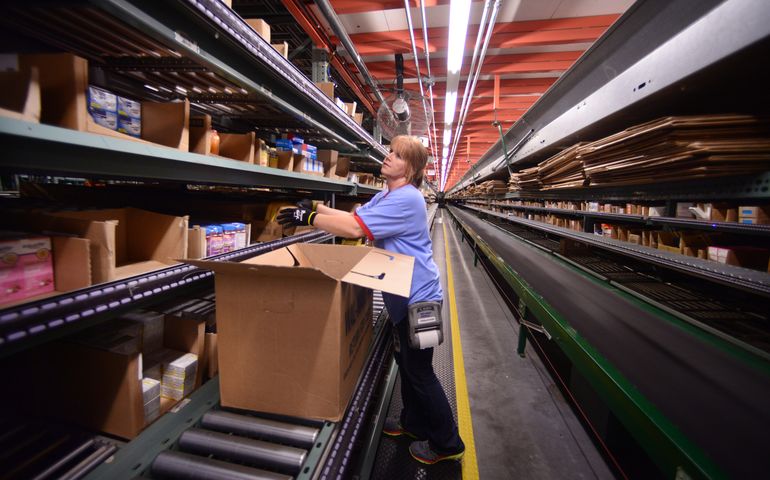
(328, 12)
(430, 84)
(474, 67)
(463, 105)
(476, 74)
(408, 11)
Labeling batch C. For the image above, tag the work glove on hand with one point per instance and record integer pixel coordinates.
(296, 216)
(308, 204)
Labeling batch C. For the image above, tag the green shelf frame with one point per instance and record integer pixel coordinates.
(39, 148)
(667, 446)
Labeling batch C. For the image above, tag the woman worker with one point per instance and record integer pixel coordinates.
(395, 219)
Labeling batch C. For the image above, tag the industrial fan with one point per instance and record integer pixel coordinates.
(403, 112)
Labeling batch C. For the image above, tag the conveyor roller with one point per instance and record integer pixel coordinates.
(256, 452)
(178, 465)
(269, 430)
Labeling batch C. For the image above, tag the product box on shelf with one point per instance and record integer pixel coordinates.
(26, 267)
(200, 134)
(285, 160)
(282, 48)
(20, 95)
(260, 26)
(238, 146)
(303, 164)
(756, 215)
(303, 315)
(327, 88)
(96, 375)
(668, 241)
(124, 241)
(748, 257)
(64, 88)
(261, 153)
(343, 167)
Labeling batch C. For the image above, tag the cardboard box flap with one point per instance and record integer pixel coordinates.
(383, 270)
(272, 271)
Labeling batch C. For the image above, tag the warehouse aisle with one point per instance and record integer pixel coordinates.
(521, 425)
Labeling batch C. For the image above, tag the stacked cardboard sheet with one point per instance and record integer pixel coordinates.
(679, 148)
(528, 179)
(563, 170)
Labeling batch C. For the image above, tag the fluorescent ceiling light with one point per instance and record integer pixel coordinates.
(449, 107)
(445, 152)
(447, 137)
(459, 15)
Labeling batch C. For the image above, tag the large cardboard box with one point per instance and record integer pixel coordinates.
(294, 325)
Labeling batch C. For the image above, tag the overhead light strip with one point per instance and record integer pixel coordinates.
(459, 13)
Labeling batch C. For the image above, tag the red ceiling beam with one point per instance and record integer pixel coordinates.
(506, 103)
(343, 7)
(493, 64)
(505, 35)
(312, 27)
(511, 86)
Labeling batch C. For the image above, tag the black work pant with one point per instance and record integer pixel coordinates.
(426, 411)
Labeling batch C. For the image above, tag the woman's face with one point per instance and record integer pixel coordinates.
(393, 166)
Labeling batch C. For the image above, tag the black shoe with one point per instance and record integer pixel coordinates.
(393, 428)
(422, 452)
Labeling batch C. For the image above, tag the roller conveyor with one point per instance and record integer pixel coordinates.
(279, 432)
(177, 465)
(713, 398)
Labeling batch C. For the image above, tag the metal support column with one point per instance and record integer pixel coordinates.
(320, 65)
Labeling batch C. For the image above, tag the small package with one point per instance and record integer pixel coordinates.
(129, 108)
(214, 240)
(130, 126)
(100, 100)
(26, 267)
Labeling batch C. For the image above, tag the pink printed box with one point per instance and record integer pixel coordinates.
(26, 268)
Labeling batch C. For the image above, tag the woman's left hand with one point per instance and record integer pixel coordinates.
(296, 216)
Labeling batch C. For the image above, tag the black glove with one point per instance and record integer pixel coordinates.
(296, 216)
(307, 204)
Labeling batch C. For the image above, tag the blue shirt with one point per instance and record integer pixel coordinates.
(397, 221)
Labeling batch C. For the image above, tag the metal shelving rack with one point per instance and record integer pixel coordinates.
(165, 51)
(751, 280)
(651, 221)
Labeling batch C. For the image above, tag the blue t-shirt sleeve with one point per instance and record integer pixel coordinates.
(385, 218)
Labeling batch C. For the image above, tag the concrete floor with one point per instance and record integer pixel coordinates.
(523, 427)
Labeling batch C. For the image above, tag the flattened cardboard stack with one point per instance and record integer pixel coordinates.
(528, 179)
(666, 149)
(679, 148)
(563, 170)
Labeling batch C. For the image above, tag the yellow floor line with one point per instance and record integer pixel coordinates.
(470, 468)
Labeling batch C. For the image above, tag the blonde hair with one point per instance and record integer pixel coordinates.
(411, 149)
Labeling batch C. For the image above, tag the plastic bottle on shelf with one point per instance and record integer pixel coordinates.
(214, 142)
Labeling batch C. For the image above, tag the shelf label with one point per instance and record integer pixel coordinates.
(179, 37)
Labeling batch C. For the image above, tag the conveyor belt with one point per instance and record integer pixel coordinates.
(715, 400)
